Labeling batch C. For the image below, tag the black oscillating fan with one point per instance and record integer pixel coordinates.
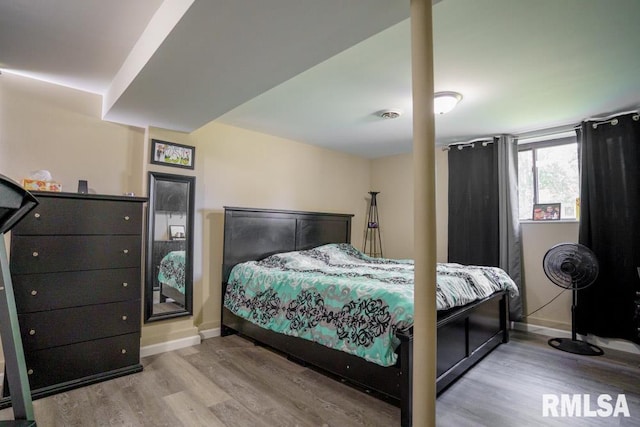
(572, 266)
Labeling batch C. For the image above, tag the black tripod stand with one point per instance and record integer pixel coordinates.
(372, 239)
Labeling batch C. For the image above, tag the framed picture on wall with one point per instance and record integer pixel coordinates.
(546, 211)
(176, 232)
(172, 154)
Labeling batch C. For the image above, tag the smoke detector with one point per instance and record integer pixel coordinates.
(390, 114)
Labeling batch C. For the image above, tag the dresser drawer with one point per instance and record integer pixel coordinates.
(72, 362)
(50, 291)
(80, 216)
(43, 254)
(53, 328)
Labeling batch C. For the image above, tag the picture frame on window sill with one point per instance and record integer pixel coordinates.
(172, 154)
(546, 212)
(176, 232)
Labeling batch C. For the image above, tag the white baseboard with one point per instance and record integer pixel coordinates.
(540, 330)
(614, 344)
(210, 333)
(150, 350)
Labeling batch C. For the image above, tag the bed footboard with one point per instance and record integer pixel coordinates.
(468, 334)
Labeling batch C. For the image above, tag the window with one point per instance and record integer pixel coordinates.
(548, 173)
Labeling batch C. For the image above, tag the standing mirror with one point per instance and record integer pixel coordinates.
(169, 263)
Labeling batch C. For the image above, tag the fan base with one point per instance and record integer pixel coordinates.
(575, 346)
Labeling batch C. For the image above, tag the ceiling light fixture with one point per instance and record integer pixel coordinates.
(390, 114)
(443, 102)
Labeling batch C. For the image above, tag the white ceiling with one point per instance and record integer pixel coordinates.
(319, 71)
(80, 44)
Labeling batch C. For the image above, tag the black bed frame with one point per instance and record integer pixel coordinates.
(465, 334)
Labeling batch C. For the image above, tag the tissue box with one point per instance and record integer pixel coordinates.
(37, 185)
(54, 186)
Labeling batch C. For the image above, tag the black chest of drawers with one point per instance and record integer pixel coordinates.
(76, 269)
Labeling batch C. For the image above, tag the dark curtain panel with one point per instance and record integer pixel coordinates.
(610, 226)
(508, 218)
(473, 206)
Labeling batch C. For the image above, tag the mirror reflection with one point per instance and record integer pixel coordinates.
(169, 272)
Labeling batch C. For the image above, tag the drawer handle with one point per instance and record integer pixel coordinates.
(35, 254)
(124, 317)
(126, 218)
(125, 284)
(32, 331)
(34, 292)
(123, 351)
(30, 372)
(36, 215)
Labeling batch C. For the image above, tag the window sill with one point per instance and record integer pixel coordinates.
(550, 221)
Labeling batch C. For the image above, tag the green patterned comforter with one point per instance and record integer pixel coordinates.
(172, 270)
(339, 297)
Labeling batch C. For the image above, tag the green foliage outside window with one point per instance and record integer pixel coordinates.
(548, 174)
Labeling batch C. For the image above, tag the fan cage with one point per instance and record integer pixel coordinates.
(571, 266)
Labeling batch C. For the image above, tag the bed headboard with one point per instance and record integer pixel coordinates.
(253, 234)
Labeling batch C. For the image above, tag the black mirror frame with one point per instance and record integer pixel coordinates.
(188, 277)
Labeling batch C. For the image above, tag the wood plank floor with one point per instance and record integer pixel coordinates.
(230, 382)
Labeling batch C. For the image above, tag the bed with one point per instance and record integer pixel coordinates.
(171, 277)
(465, 334)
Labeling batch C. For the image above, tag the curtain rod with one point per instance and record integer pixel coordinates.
(471, 143)
(612, 118)
(570, 127)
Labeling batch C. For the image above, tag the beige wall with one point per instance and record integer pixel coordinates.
(243, 168)
(537, 239)
(393, 177)
(45, 126)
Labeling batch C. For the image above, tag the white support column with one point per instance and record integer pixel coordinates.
(424, 330)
